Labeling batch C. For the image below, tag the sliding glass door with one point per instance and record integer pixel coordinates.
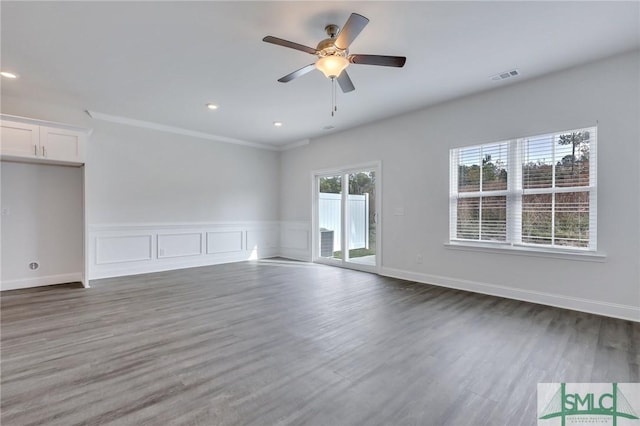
(346, 231)
(362, 217)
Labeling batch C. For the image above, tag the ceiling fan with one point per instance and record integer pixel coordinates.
(333, 53)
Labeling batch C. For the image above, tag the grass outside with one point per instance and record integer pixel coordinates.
(361, 252)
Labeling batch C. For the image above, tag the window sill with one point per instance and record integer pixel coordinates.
(585, 256)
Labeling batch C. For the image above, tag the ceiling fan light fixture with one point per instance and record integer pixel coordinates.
(331, 66)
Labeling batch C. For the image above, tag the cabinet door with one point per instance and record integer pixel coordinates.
(19, 139)
(61, 145)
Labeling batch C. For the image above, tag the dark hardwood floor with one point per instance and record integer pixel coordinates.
(278, 342)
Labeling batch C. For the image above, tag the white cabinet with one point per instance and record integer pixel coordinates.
(42, 143)
(19, 139)
(61, 144)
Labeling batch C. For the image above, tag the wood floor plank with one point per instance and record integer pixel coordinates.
(288, 343)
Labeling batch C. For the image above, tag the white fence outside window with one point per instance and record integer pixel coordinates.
(358, 212)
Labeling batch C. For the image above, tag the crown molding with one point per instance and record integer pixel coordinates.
(38, 122)
(176, 130)
(292, 145)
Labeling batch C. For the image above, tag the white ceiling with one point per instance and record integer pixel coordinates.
(163, 61)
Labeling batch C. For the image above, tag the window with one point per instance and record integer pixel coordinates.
(537, 191)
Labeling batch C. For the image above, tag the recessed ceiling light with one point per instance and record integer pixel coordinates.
(8, 74)
(277, 123)
(212, 106)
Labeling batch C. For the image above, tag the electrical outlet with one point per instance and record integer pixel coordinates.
(419, 258)
(161, 252)
(6, 211)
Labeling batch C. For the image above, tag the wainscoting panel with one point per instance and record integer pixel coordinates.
(295, 240)
(129, 249)
(224, 241)
(123, 248)
(178, 245)
(261, 238)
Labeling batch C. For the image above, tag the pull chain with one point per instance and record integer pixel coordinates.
(334, 106)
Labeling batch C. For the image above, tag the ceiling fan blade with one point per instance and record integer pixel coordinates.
(350, 30)
(345, 82)
(385, 61)
(289, 44)
(297, 73)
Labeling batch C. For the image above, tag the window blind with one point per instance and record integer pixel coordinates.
(558, 189)
(539, 190)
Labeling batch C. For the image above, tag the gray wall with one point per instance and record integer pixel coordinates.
(141, 176)
(414, 150)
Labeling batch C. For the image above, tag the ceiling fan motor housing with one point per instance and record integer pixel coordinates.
(327, 46)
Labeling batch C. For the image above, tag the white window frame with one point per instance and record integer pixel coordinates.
(514, 195)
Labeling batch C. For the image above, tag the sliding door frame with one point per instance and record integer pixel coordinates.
(343, 171)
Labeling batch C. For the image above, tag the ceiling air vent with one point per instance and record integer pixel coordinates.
(505, 75)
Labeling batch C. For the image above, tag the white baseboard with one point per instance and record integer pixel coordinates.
(626, 312)
(300, 255)
(41, 281)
